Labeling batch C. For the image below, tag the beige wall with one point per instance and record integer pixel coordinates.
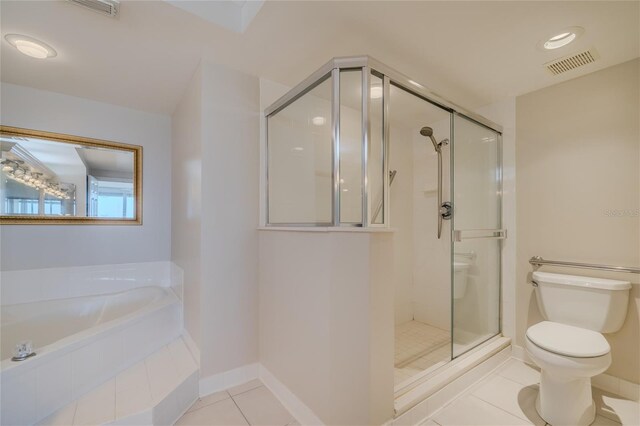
(186, 183)
(326, 321)
(216, 154)
(60, 246)
(230, 167)
(578, 158)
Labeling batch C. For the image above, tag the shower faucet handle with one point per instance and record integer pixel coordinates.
(446, 210)
(23, 350)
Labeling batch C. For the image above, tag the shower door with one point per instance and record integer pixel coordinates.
(476, 191)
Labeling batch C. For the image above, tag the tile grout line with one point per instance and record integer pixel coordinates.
(204, 406)
(468, 391)
(248, 390)
(497, 374)
(505, 411)
(240, 409)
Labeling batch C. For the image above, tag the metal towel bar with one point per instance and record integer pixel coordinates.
(472, 234)
(538, 261)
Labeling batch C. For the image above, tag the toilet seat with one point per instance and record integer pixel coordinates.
(568, 340)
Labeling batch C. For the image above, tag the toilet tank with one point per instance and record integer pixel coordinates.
(594, 303)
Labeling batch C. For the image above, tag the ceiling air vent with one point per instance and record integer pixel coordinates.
(104, 7)
(572, 62)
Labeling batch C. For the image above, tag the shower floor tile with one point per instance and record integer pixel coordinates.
(418, 347)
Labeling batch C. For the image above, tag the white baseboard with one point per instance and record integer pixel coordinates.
(618, 386)
(191, 345)
(518, 352)
(228, 379)
(605, 382)
(303, 414)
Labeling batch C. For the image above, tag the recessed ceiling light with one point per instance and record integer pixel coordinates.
(376, 92)
(562, 38)
(30, 46)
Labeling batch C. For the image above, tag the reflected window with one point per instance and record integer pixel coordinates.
(110, 198)
(53, 206)
(21, 205)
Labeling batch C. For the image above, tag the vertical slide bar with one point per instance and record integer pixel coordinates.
(366, 100)
(265, 163)
(500, 178)
(335, 122)
(386, 123)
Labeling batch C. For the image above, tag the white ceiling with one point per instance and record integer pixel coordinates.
(60, 158)
(472, 53)
(235, 15)
(111, 161)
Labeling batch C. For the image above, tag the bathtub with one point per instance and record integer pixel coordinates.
(80, 343)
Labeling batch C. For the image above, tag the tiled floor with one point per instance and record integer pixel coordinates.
(419, 346)
(507, 397)
(248, 404)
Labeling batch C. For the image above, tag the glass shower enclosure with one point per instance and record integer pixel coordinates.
(358, 144)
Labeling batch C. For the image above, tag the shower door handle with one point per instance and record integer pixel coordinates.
(471, 234)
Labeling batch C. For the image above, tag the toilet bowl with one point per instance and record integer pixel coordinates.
(569, 347)
(568, 357)
(460, 279)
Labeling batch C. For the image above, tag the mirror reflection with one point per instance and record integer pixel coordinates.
(45, 177)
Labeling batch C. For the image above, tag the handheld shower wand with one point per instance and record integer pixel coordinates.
(428, 132)
(444, 209)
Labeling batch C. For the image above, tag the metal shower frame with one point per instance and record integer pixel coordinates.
(368, 66)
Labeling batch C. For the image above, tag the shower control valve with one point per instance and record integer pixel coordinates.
(446, 210)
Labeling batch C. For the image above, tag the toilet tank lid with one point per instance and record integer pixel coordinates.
(568, 340)
(579, 281)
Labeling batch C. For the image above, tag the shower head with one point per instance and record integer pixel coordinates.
(428, 132)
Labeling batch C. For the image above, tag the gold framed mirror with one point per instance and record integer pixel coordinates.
(51, 178)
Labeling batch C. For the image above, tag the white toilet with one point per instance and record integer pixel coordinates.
(568, 347)
(460, 279)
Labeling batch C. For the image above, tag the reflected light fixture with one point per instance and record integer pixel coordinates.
(562, 38)
(376, 92)
(30, 46)
(318, 121)
(9, 166)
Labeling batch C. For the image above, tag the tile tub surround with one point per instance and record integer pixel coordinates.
(68, 369)
(155, 391)
(39, 386)
(33, 285)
